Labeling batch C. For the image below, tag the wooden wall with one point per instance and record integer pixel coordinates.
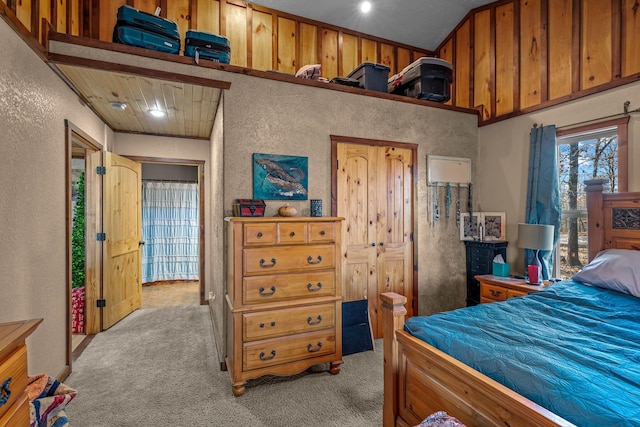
(260, 38)
(520, 55)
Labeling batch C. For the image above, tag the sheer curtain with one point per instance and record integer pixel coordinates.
(543, 192)
(170, 231)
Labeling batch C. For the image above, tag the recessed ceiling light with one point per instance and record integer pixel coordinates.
(156, 112)
(365, 7)
(118, 105)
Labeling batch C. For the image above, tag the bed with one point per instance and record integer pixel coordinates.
(423, 377)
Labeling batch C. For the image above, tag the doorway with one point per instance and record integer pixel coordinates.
(170, 232)
(373, 189)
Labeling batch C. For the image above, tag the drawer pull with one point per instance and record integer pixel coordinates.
(495, 293)
(263, 265)
(262, 325)
(259, 234)
(267, 294)
(311, 261)
(310, 287)
(5, 391)
(262, 355)
(311, 322)
(322, 233)
(312, 349)
(292, 234)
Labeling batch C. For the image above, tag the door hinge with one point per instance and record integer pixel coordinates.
(101, 170)
(101, 237)
(101, 303)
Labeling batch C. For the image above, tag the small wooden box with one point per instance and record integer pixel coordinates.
(248, 207)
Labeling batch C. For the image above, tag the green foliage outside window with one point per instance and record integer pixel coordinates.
(77, 238)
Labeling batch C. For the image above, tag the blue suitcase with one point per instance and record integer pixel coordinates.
(142, 29)
(207, 46)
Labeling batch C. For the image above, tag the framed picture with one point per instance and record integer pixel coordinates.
(277, 177)
(495, 225)
(469, 225)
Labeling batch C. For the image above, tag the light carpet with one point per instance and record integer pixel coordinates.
(158, 367)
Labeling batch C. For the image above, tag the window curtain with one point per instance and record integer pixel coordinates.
(170, 231)
(543, 192)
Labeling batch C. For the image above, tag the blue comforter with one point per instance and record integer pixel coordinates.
(573, 349)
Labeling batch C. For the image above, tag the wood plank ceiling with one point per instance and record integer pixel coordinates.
(190, 108)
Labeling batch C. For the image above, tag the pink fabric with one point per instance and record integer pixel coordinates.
(77, 310)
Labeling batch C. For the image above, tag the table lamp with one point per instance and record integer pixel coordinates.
(536, 237)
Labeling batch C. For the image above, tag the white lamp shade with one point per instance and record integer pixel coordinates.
(535, 236)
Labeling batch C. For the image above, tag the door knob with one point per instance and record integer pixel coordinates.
(141, 243)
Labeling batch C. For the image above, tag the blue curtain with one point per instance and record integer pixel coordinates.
(543, 193)
(170, 231)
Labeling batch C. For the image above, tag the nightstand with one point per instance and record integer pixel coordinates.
(497, 288)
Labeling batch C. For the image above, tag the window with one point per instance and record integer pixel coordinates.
(588, 152)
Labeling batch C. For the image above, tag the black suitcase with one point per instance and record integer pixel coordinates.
(346, 81)
(429, 79)
(207, 46)
(142, 29)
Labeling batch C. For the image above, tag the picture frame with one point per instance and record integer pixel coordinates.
(280, 177)
(495, 225)
(469, 225)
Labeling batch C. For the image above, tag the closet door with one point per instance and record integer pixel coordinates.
(374, 195)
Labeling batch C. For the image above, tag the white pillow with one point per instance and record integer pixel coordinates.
(617, 269)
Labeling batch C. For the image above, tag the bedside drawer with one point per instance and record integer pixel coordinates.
(292, 233)
(13, 375)
(259, 234)
(495, 293)
(17, 414)
(276, 323)
(288, 258)
(263, 289)
(322, 232)
(288, 349)
(513, 293)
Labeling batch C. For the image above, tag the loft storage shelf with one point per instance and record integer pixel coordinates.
(444, 170)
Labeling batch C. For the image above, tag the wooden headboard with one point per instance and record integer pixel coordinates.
(613, 218)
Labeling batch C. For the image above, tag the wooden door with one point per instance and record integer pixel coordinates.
(122, 224)
(374, 195)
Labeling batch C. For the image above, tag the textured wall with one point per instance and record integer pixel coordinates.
(504, 155)
(33, 106)
(298, 120)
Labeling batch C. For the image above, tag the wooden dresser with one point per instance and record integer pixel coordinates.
(284, 303)
(14, 403)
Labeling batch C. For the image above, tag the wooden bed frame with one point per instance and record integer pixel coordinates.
(420, 379)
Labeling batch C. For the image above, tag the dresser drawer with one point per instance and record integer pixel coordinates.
(264, 289)
(322, 232)
(260, 234)
(13, 376)
(279, 351)
(17, 414)
(495, 293)
(288, 258)
(290, 233)
(276, 323)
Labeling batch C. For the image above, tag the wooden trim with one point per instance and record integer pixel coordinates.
(576, 41)
(249, 34)
(472, 63)
(616, 39)
(129, 69)
(492, 70)
(544, 50)
(517, 89)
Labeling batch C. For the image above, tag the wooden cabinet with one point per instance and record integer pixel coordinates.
(480, 256)
(14, 403)
(498, 288)
(283, 302)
